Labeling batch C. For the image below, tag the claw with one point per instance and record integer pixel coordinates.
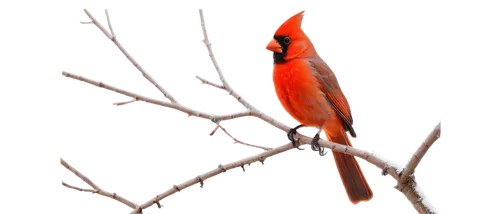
(291, 136)
(316, 147)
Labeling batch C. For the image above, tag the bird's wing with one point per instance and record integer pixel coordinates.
(330, 87)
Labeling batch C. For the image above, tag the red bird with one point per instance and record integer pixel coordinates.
(310, 93)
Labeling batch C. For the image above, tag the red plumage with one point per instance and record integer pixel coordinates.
(310, 93)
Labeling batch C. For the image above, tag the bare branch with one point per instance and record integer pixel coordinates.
(231, 165)
(177, 106)
(207, 44)
(408, 186)
(109, 24)
(419, 154)
(112, 37)
(96, 188)
(411, 190)
(126, 102)
(80, 175)
(238, 141)
(204, 81)
(414, 192)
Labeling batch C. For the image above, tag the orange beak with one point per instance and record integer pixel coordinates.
(274, 46)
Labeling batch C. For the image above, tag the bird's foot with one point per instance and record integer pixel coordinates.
(291, 136)
(316, 147)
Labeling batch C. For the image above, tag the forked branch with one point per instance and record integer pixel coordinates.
(409, 189)
(112, 37)
(95, 189)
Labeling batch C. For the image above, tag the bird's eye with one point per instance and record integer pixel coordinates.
(287, 40)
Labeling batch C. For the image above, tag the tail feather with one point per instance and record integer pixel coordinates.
(352, 177)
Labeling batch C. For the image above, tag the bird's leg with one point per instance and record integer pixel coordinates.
(315, 145)
(291, 136)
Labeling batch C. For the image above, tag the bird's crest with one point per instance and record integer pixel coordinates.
(291, 26)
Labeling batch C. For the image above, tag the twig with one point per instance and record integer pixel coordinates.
(78, 188)
(112, 37)
(204, 81)
(241, 142)
(109, 21)
(127, 102)
(214, 130)
(209, 49)
(95, 187)
(250, 145)
(158, 203)
(419, 154)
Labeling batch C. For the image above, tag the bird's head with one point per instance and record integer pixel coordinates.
(290, 41)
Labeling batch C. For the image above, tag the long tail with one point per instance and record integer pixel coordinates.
(353, 179)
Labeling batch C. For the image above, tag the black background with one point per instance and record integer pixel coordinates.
(397, 68)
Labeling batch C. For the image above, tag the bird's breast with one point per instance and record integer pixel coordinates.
(299, 93)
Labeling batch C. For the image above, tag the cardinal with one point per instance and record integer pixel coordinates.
(310, 93)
